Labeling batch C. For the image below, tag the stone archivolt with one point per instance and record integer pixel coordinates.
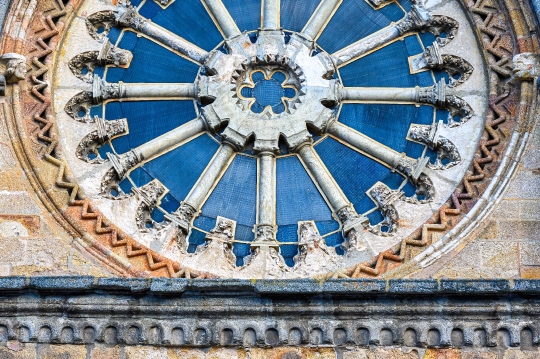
(126, 16)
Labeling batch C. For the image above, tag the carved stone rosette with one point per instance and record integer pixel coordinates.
(34, 125)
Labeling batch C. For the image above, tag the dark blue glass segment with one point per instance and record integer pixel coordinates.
(295, 14)
(186, 18)
(246, 14)
(355, 173)
(151, 63)
(387, 124)
(353, 21)
(180, 168)
(235, 197)
(148, 120)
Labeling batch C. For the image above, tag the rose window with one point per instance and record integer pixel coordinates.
(289, 144)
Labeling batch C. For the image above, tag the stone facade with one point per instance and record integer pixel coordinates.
(458, 280)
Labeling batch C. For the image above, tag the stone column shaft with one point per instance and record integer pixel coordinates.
(210, 176)
(320, 18)
(174, 41)
(222, 17)
(379, 94)
(138, 90)
(271, 14)
(365, 144)
(365, 45)
(323, 178)
(267, 189)
(169, 140)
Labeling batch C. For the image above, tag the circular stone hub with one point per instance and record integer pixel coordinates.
(237, 79)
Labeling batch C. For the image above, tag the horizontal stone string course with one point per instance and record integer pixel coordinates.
(211, 312)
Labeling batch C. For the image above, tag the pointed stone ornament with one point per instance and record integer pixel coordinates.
(314, 256)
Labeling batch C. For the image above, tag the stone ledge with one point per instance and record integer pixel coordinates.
(67, 284)
(269, 313)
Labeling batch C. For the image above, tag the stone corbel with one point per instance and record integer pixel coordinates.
(95, 139)
(385, 199)
(12, 70)
(149, 197)
(428, 135)
(431, 58)
(526, 66)
(313, 253)
(107, 55)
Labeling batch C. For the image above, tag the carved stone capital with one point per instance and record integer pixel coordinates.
(105, 131)
(446, 150)
(419, 19)
(125, 15)
(265, 236)
(431, 58)
(149, 197)
(107, 55)
(441, 96)
(12, 68)
(526, 66)
(385, 199)
(182, 216)
(351, 220)
(112, 178)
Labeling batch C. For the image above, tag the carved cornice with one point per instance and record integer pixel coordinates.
(445, 313)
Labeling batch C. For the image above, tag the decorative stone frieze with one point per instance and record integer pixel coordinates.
(335, 313)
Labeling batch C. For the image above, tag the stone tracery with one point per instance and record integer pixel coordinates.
(317, 88)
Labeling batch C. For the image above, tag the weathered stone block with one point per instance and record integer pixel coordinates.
(61, 351)
(103, 352)
(530, 253)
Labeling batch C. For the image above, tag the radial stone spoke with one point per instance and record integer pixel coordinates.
(339, 203)
(103, 90)
(320, 18)
(147, 90)
(195, 199)
(417, 19)
(366, 144)
(266, 221)
(271, 11)
(380, 94)
(439, 95)
(223, 19)
(159, 145)
(126, 16)
(411, 168)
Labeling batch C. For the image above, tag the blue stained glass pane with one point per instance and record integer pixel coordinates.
(388, 124)
(240, 250)
(196, 238)
(186, 18)
(114, 34)
(246, 14)
(235, 196)
(393, 58)
(295, 14)
(151, 63)
(335, 240)
(294, 190)
(148, 120)
(353, 21)
(140, 177)
(354, 172)
(180, 168)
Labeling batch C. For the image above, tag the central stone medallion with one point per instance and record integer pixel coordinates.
(268, 91)
(271, 79)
